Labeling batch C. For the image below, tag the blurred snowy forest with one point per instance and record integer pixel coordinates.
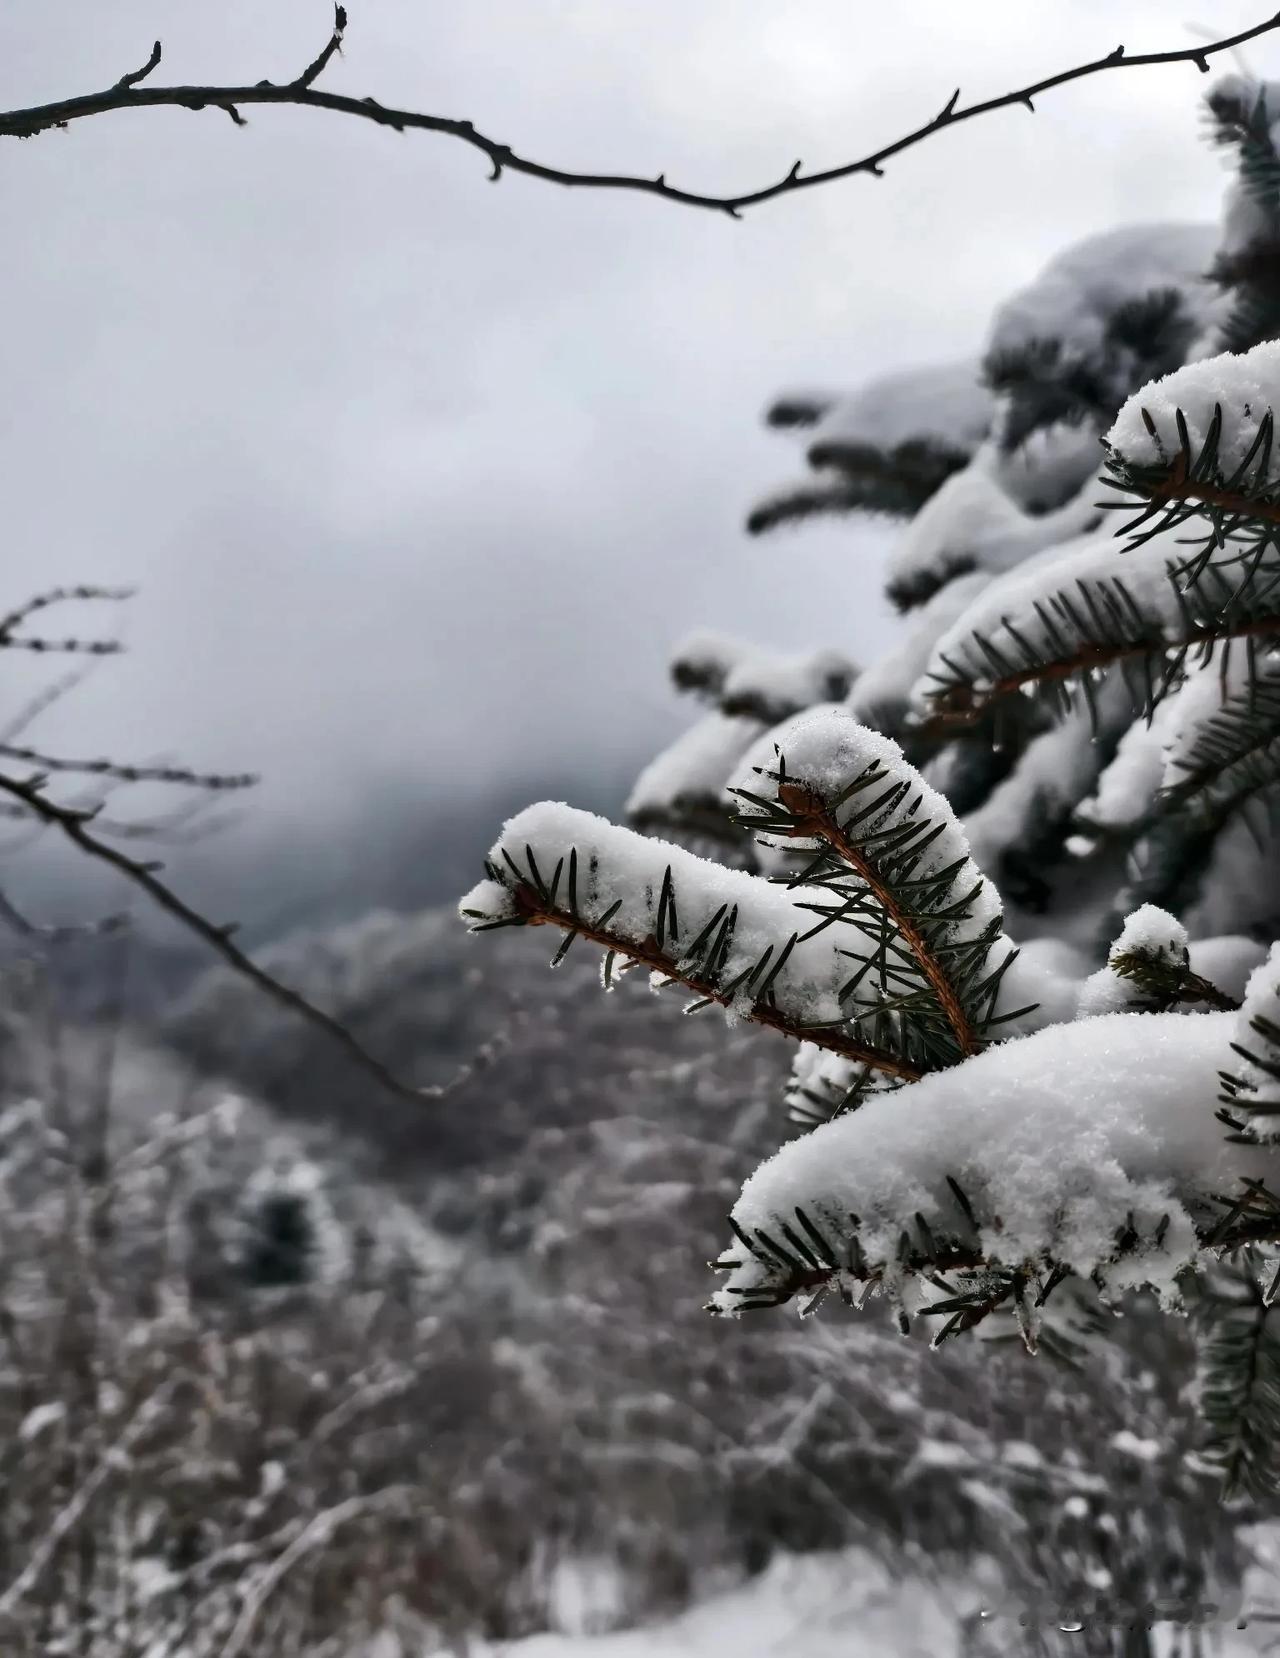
(336, 1375)
(291, 1365)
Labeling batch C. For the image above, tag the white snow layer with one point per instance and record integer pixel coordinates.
(771, 685)
(1153, 932)
(971, 523)
(1050, 465)
(618, 864)
(1080, 289)
(1244, 387)
(1055, 1140)
(1009, 610)
(1054, 770)
(946, 406)
(826, 750)
(692, 772)
(837, 1605)
(704, 659)
(1227, 960)
(1130, 784)
(882, 694)
(768, 685)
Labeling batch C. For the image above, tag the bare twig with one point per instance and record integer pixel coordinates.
(212, 781)
(58, 595)
(114, 1459)
(129, 93)
(17, 922)
(45, 699)
(316, 1535)
(74, 823)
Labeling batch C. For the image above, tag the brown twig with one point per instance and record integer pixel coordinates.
(130, 93)
(815, 821)
(17, 922)
(1175, 487)
(74, 824)
(59, 595)
(536, 912)
(213, 782)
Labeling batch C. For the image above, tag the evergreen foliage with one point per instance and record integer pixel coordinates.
(1005, 887)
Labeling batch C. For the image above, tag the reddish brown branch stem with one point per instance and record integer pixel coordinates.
(648, 953)
(74, 825)
(961, 705)
(1176, 488)
(815, 821)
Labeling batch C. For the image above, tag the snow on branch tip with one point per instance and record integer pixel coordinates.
(880, 940)
(1087, 1150)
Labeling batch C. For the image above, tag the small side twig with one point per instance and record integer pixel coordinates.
(74, 824)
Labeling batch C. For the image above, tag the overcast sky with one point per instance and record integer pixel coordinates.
(419, 476)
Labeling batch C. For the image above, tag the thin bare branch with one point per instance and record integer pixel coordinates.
(45, 699)
(316, 1535)
(64, 647)
(317, 66)
(17, 922)
(55, 596)
(129, 93)
(113, 1460)
(214, 782)
(74, 823)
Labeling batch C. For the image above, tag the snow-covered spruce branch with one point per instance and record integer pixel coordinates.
(885, 947)
(1195, 446)
(1148, 970)
(732, 939)
(1239, 1381)
(887, 851)
(1251, 1091)
(884, 449)
(131, 91)
(1200, 443)
(1209, 739)
(1087, 1150)
(1055, 630)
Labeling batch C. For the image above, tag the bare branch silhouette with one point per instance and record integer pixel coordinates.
(74, 823)
(129, 92)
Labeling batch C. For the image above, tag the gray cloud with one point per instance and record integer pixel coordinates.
(420, 476)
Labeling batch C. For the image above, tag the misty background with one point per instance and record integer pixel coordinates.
(419, 477)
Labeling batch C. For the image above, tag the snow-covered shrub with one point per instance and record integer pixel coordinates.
(990, 874)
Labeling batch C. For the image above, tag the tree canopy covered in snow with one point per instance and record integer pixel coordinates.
(1012, 889)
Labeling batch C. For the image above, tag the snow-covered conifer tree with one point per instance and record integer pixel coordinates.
(1013, 888)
